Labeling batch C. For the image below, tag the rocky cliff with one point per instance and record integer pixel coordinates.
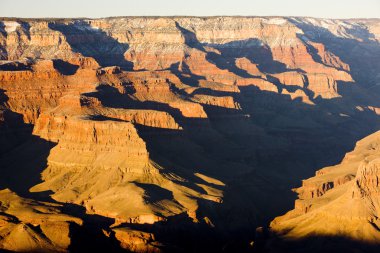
(341, 200)
(186, 133)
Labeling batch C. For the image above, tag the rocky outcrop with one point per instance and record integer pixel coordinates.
(28, 225)
(102, 163)
(136, 241)
(87, 150)
(72, 133)
(25, 39)
(151, 118)
(225, 102)
(31, 92)
(342, 200)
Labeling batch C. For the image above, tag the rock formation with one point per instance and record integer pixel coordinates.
(341, 200)
(184, 133)
(28, 225)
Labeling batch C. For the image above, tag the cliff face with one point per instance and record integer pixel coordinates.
(155, 124)
(204, 47)
(342, 200)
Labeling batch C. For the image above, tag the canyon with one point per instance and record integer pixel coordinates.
(187, 134)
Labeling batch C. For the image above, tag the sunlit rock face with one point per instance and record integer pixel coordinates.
(186, 133)
(341, 200)
(28, 225)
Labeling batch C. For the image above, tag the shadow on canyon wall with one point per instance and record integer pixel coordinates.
(65, 68)
(95, 43)
(20, 150)
(363, 55)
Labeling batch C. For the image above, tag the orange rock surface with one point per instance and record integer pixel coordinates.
(28, 225)
(341, 199)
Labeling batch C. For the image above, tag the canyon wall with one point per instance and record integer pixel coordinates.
(340, 200)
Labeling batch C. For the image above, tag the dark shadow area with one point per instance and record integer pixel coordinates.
(315, 55)
(5, 251)
(13, 131)
(190, 38)
(2, 31)
(64, 67)
(111, 97)
(255, 51)
(154, 193)
(102, 118)
(185, 75)
(180, 234)
(211, 92)
(316, 243)
(23, 152)
(22, 165)
(227, 64)
(91, 237)
(3, 50)
(178, 161)
(95, 43)
(25, 28)
(14, 66)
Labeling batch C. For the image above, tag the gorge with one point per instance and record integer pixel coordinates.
(188, 134)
